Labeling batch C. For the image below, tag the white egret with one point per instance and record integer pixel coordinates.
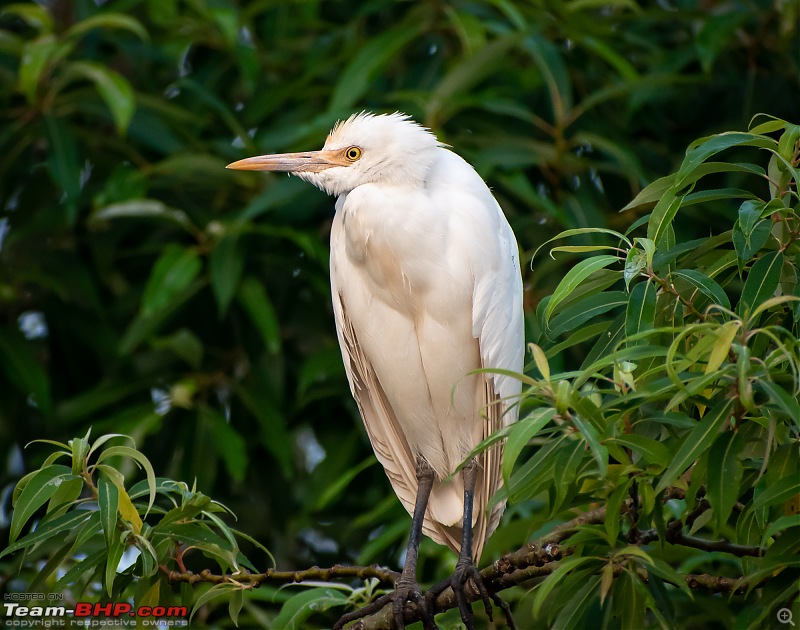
(426, 289)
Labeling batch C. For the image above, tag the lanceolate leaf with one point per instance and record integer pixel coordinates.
(661, 219)
(697, 441)
(62, 523)
(713, 145)
(574, 277)
(705, 285)
(641, 311)
(108, 503)
(141, 460)
(38, 490)
(521, 434)
(114, 89)
(64, 162)
(783, 490)
(172, 273)
(724, 475)
(573, 316)
(762, 280)
(651, 451)
(599, 451)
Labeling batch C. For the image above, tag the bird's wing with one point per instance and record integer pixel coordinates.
(498, 326)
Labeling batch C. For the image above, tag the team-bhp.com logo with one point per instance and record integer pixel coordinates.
(89, 614)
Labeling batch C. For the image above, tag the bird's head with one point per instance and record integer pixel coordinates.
(365, 148)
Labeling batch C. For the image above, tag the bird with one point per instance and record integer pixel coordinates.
(427, 301)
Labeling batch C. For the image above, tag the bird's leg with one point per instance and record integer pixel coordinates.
(406, 588)
(465, 569)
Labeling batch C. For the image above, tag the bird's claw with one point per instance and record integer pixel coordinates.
(464, 572)
(399, 598)
(411, 592)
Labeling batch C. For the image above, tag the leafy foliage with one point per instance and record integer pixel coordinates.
(690, 390)
(147, 291)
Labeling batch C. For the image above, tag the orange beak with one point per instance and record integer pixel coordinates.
(307, 161)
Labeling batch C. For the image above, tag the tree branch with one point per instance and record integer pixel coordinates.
(533, 560)
(287, 577)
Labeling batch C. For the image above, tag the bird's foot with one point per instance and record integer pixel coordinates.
(459, 581)
(405, 592)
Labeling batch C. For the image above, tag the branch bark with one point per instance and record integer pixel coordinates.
(533, 560)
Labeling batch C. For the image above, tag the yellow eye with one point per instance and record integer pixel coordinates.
(353, 153)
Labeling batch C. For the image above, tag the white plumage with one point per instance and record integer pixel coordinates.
(426, 288)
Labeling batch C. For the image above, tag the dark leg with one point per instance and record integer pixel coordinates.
(465, 569)
(406, 589)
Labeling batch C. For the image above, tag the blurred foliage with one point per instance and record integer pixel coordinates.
(145, 290)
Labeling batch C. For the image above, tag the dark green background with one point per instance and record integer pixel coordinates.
(157, 271)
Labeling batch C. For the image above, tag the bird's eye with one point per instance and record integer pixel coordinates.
(353, 153)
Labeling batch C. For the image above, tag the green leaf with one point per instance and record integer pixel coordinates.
(706, 286)
(627, 600)
(779, 398)
(724, 475)
(33, 15)
(574, 277)
(522, 432)
(655, 190)
(172, 273)
(762, 281)
(337, 486)
(253, 297)
(613, 519)
(707, 147)
(527, 479)
(115, 551)
(566, 462)
(144, 326)
(368, 62)
(89, 565)
(226, 265)
(573, 615)
(300, 607)
(38, 490)
(781, 524)
(640, 314)
(114, 89)
(108, 503)
(35, 56)
(467, 73)
(215, 592)
(584, 309)
(64, 162)
(722, 346)
(550, 62)
(652, 451)
(142, 208)
(229, 443)
(116, 21)
(565, 567)
(750, 215)
(184, 343)
(127, 451)
(661, 218)
(541, 361)
(697, 441)
(780, 492)
(44, 531)
(592, 438)
(747, 245)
